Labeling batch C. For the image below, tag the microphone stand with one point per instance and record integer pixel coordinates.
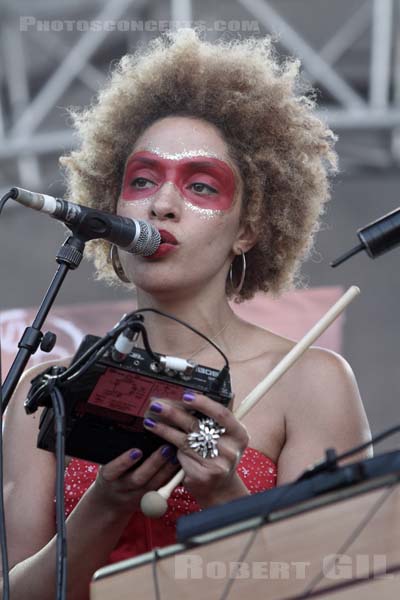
(69, 257)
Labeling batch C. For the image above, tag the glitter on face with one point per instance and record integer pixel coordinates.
(204, 213)
(214, 175)
(184, 154)
(143, 202)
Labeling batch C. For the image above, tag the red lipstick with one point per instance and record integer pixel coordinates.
(167, 237)
(168, 244)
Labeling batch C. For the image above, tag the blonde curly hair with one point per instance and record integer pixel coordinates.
(266, 116)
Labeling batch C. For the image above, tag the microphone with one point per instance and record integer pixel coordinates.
(132, 235)
(376, 238)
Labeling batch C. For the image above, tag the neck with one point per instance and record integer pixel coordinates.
(211, 316)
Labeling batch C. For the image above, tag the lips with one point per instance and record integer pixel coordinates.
(168, 244)
(167, 237)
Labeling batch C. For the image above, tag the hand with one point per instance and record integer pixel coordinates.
(210, 480)
(120, 487)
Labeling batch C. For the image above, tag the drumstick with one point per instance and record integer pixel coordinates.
(154, 504)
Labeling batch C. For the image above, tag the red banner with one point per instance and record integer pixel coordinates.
(291, 316)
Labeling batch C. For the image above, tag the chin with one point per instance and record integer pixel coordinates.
(158, 287)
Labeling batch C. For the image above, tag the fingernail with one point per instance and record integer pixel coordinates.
(149, 423)
(167, 451)
(156, 407)
(174, 460)
(135, 454)
(188, 396)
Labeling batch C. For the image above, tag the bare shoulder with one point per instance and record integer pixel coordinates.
(15, 409)
(315, 405)
(316, 372)
(21, 430)
(323, 377)
(323, 409)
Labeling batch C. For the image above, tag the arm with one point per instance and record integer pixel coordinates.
(30, 512)
(93, 528)
(323, 410)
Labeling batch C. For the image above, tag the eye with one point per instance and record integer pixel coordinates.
(140, 183)
(203, 188)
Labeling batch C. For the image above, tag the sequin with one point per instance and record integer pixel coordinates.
(257, 472)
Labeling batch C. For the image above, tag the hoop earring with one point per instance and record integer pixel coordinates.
(236, 290)
(116, 265)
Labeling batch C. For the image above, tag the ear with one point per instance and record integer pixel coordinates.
(246, 238)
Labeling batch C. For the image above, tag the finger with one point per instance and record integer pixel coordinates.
(114, 469)
(122, 465)
(164, 475)
(221, 414)
(144, 473)
(172, 414)
(228, 447)
(167, 432)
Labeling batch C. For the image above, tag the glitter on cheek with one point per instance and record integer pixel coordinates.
(203, 213)
(142, 202)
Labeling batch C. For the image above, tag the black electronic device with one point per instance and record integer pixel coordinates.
(297, 493)
(104, 407)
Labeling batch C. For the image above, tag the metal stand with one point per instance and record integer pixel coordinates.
(69, 258)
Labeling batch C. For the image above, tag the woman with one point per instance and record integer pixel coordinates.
(214, 145)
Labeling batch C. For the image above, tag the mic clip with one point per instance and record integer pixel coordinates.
(41, 386)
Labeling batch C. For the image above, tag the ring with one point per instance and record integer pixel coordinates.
(205, 441)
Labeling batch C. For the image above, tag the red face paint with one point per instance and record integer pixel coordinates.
(203, 181)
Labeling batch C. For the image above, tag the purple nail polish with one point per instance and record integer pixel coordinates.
(188, 396)
(135, 454)
(149, 423)
(156, 407)
(167, 451)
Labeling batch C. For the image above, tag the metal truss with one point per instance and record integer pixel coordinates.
(377, 110)
(27, 138)
(24, 141)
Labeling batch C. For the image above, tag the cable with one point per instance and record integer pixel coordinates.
(89, 363)
(331, 461)
(202, 335)
(375, 440)
(352, 537)
(88, 353)
(61, 540)
(3, 533)
(155, 557)
(74, 371)
(4, 199)
(242, 556)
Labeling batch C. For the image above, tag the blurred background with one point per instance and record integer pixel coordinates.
(57, 54)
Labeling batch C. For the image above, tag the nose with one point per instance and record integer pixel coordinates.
(167, 203)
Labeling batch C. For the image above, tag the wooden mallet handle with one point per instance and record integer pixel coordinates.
(150, 504)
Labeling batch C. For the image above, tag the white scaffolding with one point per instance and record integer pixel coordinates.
(29, 132)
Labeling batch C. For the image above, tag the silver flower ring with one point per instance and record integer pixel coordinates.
(205, 441)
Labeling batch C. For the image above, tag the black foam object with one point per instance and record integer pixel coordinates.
(285, 496)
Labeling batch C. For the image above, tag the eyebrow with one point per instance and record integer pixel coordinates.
(143, 159)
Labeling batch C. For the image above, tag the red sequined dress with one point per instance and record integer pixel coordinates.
(142, 534)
